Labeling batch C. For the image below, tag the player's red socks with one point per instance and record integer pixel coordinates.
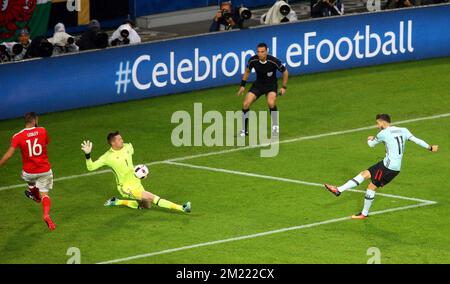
(46, 203)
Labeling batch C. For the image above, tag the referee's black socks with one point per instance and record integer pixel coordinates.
(245, 119)
(274, 115)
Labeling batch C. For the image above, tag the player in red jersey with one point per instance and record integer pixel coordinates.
(36, 169)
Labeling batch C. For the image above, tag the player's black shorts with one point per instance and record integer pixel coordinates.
(260, 90)
(381, 175)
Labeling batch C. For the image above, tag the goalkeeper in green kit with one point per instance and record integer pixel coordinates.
(119, 159)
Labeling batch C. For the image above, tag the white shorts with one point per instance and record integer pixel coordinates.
(43, 181)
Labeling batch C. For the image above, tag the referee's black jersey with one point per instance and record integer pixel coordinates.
(266, 71)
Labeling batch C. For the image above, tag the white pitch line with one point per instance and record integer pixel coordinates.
(256, 235)
(428, 202)
(244, 148)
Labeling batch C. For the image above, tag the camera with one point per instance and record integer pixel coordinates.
(244, 13)
(16, 49)
(285, 10)
(226, 14)
(9, 51)
(70, 40)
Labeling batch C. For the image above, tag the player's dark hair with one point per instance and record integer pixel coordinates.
(384, 117)
(30, 117)
(262, 44)
(111, 136)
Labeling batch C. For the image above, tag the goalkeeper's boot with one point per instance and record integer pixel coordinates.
(333, 189)
(187, 207)
(359, 216)
(111, 202)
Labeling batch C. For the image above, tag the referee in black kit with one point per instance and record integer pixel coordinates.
(266, 83)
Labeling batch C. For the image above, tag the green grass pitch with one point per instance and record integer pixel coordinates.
(253, 209)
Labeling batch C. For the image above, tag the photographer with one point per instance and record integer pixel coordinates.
(62, 42)
(326, 8)
(16, 51)
(93, 37)
(226, 19)
(39, 47)
(125, 34)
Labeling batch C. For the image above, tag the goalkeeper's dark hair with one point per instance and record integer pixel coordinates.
(111, 136)
(384, 117)
(30, 117)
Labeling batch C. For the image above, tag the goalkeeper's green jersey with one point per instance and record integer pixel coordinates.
(121, 163)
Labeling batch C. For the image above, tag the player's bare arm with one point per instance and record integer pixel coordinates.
(285, 81)
(243, 82)
(8, 155)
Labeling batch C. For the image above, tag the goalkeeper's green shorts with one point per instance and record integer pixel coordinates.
(132, 191)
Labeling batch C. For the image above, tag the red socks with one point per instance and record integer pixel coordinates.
(46, 202)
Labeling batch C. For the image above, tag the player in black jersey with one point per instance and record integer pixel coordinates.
(266, 83)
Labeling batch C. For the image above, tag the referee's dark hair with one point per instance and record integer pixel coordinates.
(111, 136)
(384, 117)
(262, 44)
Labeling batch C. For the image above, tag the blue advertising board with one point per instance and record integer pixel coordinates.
(193, 63)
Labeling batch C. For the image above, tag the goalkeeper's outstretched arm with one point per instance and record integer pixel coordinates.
(86, 147)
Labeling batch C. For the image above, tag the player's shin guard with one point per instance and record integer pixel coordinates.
(129, 203)
(274, 115)
(158, 201)
(245, 119)
(370, 196)
(354, 182)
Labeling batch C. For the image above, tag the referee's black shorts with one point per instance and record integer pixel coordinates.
(380, 175)
(259, 89)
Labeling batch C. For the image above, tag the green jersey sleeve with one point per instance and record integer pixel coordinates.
(92, 166)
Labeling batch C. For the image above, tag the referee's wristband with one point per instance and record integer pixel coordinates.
(88, 156)
(284, 87)
(431, 148)
(243, 82)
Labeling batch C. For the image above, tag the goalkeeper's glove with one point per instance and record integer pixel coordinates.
(86, 147)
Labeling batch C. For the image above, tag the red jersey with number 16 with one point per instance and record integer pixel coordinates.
(33, 145)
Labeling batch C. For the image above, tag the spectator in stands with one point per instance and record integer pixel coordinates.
(326, 8)
(226, 18)
(93, 38)
(125, 34)
(280, 12)
(62, 41)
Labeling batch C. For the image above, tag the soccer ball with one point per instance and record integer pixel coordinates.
(141, 171)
